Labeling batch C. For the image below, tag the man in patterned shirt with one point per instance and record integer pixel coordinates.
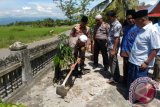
(113, 45)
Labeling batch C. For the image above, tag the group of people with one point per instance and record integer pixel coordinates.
(139, 46)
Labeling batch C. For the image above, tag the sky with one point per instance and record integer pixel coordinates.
(38, 8)
(152, 2)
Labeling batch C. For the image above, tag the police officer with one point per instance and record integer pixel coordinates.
(101, 30)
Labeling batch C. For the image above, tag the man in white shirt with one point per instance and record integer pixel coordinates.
(156, 72)
(145, 47)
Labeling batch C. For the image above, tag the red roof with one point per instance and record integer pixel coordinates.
(154, 14)
(154, 11)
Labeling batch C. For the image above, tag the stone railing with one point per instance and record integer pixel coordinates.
(23, 66)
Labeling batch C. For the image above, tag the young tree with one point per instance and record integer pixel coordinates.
(83, 6)
(69, 7)
(73, 8)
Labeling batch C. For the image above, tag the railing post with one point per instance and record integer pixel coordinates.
(22, 52)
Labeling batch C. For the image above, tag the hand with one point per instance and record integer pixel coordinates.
(83, 48)
(144, 66)
(93, 42)
(87, 48)
(78, 60)
(113, 52)
(72, 66)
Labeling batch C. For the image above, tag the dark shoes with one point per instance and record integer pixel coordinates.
(77, 74)
(95, 66)
(112, 81)
(106, 68)
(85, 71)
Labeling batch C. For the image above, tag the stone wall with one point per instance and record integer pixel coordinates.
(22, 66)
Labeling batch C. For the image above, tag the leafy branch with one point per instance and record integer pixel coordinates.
(64, 56)
(5, 104)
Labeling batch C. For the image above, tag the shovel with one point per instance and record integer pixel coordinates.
(61, 90)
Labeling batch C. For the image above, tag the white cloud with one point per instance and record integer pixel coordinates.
(33, 9)
(4, 13)
(40, 8)
(17, 10)
(50, 8)
(44, 9)
(26, 8)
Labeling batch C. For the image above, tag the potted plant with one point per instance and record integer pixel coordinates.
(63, 57)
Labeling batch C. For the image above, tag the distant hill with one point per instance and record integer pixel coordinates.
(7, 20)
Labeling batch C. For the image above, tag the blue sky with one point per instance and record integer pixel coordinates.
(152, 2)
(37, 8)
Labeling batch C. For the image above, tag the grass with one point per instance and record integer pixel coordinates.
(27, 34)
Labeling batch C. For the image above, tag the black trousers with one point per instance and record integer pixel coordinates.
(100, 45)
(125, 69)
(79, 52)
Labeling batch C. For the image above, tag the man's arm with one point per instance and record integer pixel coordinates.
(155, 45)
(117, 32)
(116, 41)
(150, 58)
(107, 26)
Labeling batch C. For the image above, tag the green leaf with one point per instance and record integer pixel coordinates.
(64, 54)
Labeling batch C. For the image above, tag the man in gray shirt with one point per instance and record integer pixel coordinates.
(113, 45)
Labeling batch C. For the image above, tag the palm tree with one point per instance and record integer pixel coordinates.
(101, 6)
(120, 6)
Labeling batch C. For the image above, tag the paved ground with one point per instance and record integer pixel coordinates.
(89, 91)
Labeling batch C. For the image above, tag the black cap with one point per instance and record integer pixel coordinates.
(84, 19)
(111, 13)
(140, 13)
(130, 12)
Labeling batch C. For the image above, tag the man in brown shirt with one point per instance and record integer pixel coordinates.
(79, 50)
(78, 30)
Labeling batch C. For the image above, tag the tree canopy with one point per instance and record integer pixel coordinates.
(120, 6)
(73, 8)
